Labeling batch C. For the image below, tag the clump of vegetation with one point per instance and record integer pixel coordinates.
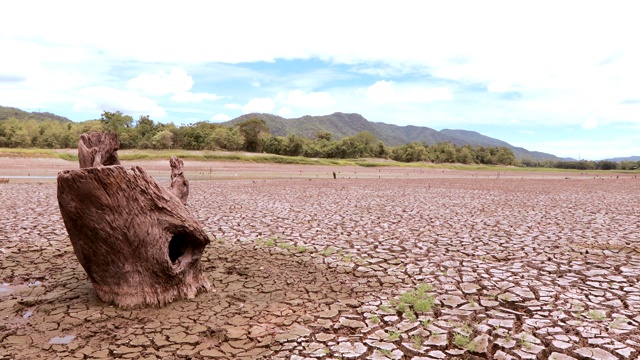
(460, 340)
(419, 300)
(394, 335)
(617, 321)
(524, 343)
(596, 315)
(328, 251)
(417, 341)
(269, 242)
(413, 302)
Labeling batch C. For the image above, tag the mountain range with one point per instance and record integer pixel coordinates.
(340, 125)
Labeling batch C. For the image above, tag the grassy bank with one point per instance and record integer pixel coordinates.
(128, 155)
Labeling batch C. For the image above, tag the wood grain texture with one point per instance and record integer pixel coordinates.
(98, 149)
(137, 242)
(179, 184)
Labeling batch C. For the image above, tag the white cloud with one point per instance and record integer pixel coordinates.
(99, 99)
(498, 87)
(284, 111)
(299, 98)
(388, 92)
(189, 97)
(220, 117)
(233, 106)
(162, 83)
(259, 105)
(590, 124)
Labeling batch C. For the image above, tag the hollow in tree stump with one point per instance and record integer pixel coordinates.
(97, 149)
(137, 242)
(179, 184)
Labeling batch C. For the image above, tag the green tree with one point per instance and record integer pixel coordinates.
(162, 140)
(116, 121)
(145, 131)
(464, 154)
(324, 135)
(254, 131)
(228, 138)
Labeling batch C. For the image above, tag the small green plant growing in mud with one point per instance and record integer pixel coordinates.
(424, 305)
(596, 315)
(328, 251)
(402, 307)
(577, 307)
(270, 242)
(524, 343)
(386, 309)
(466, 328)
(386, 353)
(460, 340)
(375, 319)
(421, 301)
(409, 315)
(394, 335)
(617, 321)
(347, 258)
(286, 246)
(417, 341)
(426, 322)
(301, 248)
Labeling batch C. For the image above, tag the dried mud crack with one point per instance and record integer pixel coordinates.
(424, 268)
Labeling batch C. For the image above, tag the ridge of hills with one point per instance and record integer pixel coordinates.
(11, 112)
(341, 125)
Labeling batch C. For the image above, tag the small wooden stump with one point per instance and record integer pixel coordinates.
(179, 185)
(136, 240)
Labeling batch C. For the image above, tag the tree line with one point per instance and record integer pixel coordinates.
(583, 164)
(254, 136)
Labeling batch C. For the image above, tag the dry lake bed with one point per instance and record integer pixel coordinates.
(381, 263)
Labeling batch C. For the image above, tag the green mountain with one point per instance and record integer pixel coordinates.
(9, 112)
(340, 125)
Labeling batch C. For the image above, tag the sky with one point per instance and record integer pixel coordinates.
(561, 77)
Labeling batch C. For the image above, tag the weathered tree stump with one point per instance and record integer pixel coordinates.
(137, 242)
(179, 184)
(97, 149)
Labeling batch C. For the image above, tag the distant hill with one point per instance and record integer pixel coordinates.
(340, 125)
(628, 158)
(9, 112)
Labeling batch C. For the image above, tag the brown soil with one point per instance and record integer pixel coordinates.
(522, 265)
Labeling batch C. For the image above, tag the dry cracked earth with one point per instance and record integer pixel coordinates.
(423, 267)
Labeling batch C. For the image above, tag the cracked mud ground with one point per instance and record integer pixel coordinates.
(422, 268)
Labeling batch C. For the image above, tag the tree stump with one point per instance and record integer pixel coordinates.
(179, 184)
(136, 240)
(97, 149)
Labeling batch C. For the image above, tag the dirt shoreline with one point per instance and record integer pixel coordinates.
(27, 169)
